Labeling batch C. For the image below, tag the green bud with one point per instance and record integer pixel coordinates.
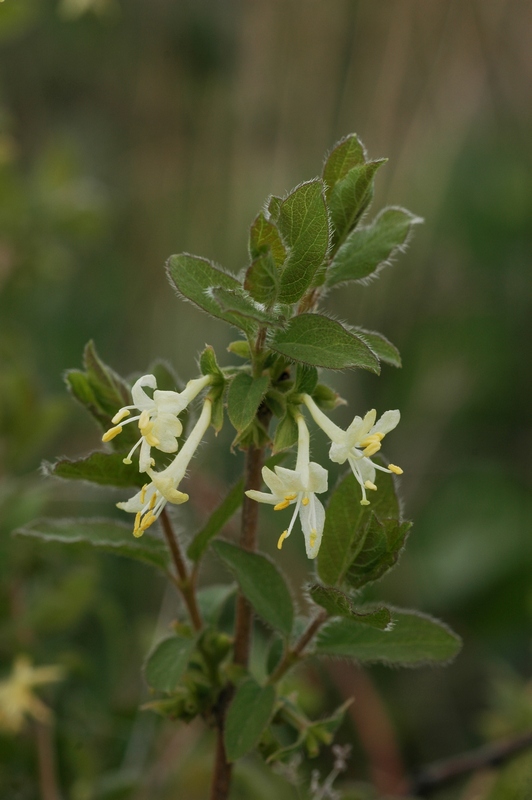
(240, 348)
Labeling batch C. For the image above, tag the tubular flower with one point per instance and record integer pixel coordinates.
(358, 443)
(17, 699)
(152, 498)
(158, 423)
(298, 486)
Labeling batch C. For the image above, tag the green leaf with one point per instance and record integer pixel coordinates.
(195, 278)
(220, 517)
(322, 342)
(338, 604)
(102, 391)
(261, 583)
(346, 154)
(247, 717)
(262, 279)
(380, 551)
(366, 250)
(351, 196)
(238, 304)
(104, 534)
(306, 379)
(105, 469)
(168, 661)
(264, 238)
(326, 398)
(209, 365)
(244, 398)
(380, 345)
(304, 226)
(273, 206)
(286, 433)
(211, 600)
(346, 524)
(414, 639)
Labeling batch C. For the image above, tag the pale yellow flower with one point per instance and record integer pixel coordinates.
(17, 698)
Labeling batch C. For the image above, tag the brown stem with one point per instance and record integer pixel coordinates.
(436, 775)
(186, 583)
(292, 655)
(47, 768)
(248, 540)
(221, 779)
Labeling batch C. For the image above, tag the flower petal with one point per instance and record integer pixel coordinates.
(318, 478)
(312, 518)
(388, 421)
(262, 497)
(141, 400)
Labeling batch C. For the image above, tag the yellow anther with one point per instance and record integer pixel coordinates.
(395, 470)
(364, 502)
(282, 537)
(137, 520)
(305, 501)
(143, 493)
(371, 449)
(371, 439)
(120, 415)
(137, 530)
(285, 503)
(148, 520)
(153, 500)
(370, 485)
(111, 433)
(144, 421)
(312, 537)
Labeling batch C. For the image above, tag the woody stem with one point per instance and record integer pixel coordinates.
(186, 583)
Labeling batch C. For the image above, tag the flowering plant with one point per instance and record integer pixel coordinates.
(300, 247)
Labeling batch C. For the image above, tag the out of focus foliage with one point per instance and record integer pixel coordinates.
(129, 130)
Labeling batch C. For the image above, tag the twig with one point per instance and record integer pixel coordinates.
(440, 773)
(292, 655)
(186, 583)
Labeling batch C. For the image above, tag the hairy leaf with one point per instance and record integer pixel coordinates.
(339, 604)
(346, 154)
(195, 278)
(368, 249)
(304, 226)
(264, 237)
(382, 544)
(413, 640)
(248, 715)
(319, 341)
(351, 196)
(167, 662)
(104, 534)
(244, 398)
(380, 345)
(105, 469)
(261, 583)
(262, 279)
(239, 304)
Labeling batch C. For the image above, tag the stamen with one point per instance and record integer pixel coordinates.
(120, 415)
(312, 537)
(370, 485)
(395, 470)
(371, 449)
(143, 493)
(286, 502)
(153, 500)
(305, 501)
(111, 433)
(282, 537)
(127, 459)
(364, 502)
(144, 421)
(148, 520)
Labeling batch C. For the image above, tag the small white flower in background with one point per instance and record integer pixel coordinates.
(158, 423)
(358, 443)
(298, 486)
(17, 699)
(152, 498)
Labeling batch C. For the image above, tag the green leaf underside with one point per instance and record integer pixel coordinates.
(236, 303)
(104, 469)
(351, 196)
(107, 535)
(348, 153)
(319, 341)
(415, 639)
(248, 716)
(304, 226)
(264, 237)
(194, 279)
(211, 600)
(306, 379)
(367, 249)
(261, 583)
(346, 521)
(209, 365)
(222, 514)
(262, 279)
(244, 397)
(286, 433)
(381, 547)
(338, 604)
(165, 666)
(383, 349)
(102, 391)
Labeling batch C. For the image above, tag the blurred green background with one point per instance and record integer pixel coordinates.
(131, 130)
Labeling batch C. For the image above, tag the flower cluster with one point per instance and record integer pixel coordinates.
(17, 698)
(160, 428)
